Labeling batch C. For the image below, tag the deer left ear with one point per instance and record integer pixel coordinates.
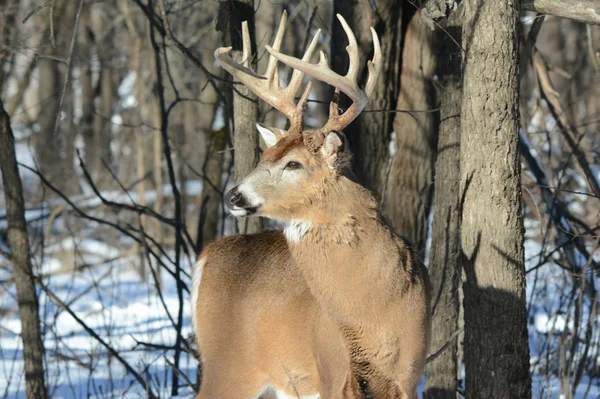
(332, 148)
(269, 136)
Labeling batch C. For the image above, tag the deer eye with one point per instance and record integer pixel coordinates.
(293, 165)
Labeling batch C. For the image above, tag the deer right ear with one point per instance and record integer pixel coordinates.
(332, 149)
(270, 137)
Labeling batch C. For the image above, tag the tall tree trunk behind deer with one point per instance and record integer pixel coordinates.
(52, 151)
(496, 345)
(444, 270)
(10, 9)
(245, 103)
(409, 184)
(107, 93)
(369, 135)
(33, 348)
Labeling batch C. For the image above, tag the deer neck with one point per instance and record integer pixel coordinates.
(339, 249)
(339, 209)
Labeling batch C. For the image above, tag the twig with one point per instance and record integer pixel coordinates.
(90, 331)
(435, 355)
(166, 31)
(35, 10)
(553, 101)
(176, 195)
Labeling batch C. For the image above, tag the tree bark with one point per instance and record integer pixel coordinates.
(10, 9)
(33, 348)
(245, 106)
(444, 270)
(369, 134)
(496, 342)
(409, 183)
(52, 151)
(107, 95)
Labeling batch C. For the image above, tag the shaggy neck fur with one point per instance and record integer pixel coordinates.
(347, 254)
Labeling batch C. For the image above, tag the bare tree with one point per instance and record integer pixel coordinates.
(410, 180)
(245, 103)
(369, 135)
(33, 348)
(54, 150)
(444, 270)
(496, 341)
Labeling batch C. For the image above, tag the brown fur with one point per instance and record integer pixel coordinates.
(346, 306)
(275, 153)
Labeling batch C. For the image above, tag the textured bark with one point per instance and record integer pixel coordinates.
(10, 8)
(409, 185)
(587, 11)
(444, 270)
(496, 346)
(107, 94)
(86, 124)
(52, 151)
(245, 106)
(33, 348)
(369, 134)
(47, 147)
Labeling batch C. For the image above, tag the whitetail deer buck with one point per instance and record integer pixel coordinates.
(338, 305)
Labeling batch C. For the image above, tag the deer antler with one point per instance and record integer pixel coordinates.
(346, 84)
(267, 87)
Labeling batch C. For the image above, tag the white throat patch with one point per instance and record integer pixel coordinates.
(297, 229)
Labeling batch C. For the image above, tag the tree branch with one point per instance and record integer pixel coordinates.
(587, 11)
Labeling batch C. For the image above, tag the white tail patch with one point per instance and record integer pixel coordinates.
(297, 229)
(196, 278)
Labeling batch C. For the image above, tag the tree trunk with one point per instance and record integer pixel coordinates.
(444, 270)
(245, 106)
(107, 96)
(53, 157)
(496, 346)
(409, 184)
(33, 348)
(10, 9)
(369, 134)
(88, 94)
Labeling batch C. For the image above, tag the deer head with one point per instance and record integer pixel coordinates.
(297, 162)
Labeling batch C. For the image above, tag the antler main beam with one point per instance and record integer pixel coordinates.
(346, 84)
(266, 86)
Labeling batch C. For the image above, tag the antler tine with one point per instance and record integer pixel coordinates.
(351, 49)
(246, 46)
(346, 84)
(271, 72)
(267, 87)
(375, 65)
(297, 76)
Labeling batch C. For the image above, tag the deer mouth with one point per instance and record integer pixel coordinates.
(238, 203)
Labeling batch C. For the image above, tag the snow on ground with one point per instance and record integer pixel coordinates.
(112, 300)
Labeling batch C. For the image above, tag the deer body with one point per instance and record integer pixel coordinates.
(251, 316)
(337, 306)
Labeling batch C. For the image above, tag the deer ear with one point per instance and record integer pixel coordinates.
(270, 137)
(332, 148)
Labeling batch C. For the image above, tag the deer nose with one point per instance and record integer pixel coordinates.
(234, 198)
